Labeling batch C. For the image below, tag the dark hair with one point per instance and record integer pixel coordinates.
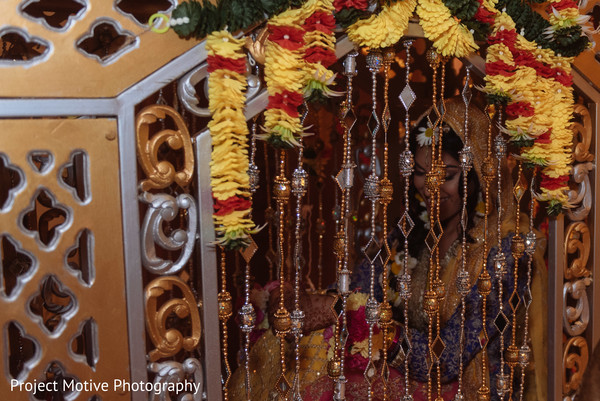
(451, 144)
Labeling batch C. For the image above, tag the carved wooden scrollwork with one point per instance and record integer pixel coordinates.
(576, 319)
(162, 173)
(169, 340)
(161, 208)
(583, 134)
(574, 363)
(174, 374)
(577, 240)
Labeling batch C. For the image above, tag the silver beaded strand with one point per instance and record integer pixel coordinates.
(463, 279)
(406, 224)
(371, 189)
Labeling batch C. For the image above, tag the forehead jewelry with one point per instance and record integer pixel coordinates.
(463, 279)
(344, 179)
(372, 192)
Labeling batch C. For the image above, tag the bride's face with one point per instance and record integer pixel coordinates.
(450, 197)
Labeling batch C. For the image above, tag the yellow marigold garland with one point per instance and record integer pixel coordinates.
(448, 35)
(229, 132)
(384, 29)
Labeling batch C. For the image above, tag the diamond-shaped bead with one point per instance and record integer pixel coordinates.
(407, 97)
(466, 92)
(386, 118)
(431, 241)
(349, 119)
(501, 322)
(518, 191)
(438, 230)
(249, 251)
(514, 301)
(385, 372)
(527, 297)
(373, 124)
(405, 345)
(406, 163)
(370, 372)
(438, 347)
(371, 187)
(384, 254)
(372, 249)
(406, 224)
(283, 386)
(344, 336)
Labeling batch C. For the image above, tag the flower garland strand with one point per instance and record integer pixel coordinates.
(229, 133)
(536, 85)
(384, 29)
(319, 53)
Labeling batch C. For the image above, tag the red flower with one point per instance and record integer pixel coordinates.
(483, 15)
(287, 101)
(320, 21)
(517, 109)
(524, 58)
(316, 53)
(223, 208)
(287, 37)
(562, 77)
(544, 138)
(358, 4)
(223, 63)
(499, 68)
(561, 5)
(508, 37)
(554, 183)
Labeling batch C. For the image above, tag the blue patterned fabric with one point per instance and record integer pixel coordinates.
(450, 333)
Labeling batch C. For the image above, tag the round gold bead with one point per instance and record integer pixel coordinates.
(389, 55)
(484, 284)
(385, 314)
(225, 305)
(512, 355)
(430, 302)
(334, 368)
(435, 177)
(433, 57)
(488, 170)
(518, 246)
(281, 188)
(386, 191)
(282, 322)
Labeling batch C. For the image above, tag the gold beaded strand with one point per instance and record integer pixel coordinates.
(225, 312)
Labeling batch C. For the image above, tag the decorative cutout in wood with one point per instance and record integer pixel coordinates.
(41, 160)
(141, 11)
(80, 258)
(53, 305)
(12, 179)
(106, 41)
(84, 347)
(18, 47)
(45, 218)
(16, 266)
(55, 15)
(23, 351)
(75, 175)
